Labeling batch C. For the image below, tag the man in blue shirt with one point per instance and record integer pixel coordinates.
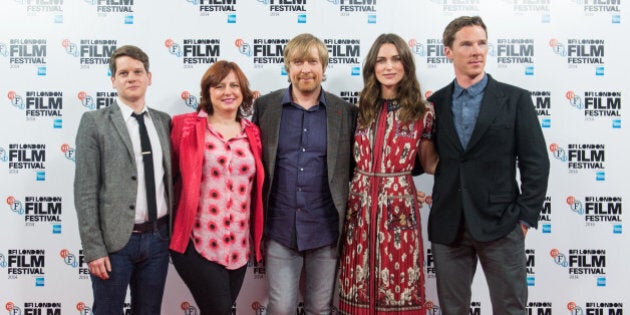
(485, 130)
(307, 137)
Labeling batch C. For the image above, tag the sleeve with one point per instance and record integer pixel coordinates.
(256, 113)
(533, 161)
(87, 182)
(428, 121)
(176, 135)
(354, 111)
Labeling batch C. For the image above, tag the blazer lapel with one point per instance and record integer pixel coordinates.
(493, 99)
(120, 126)
(333, 122)
(163, 136)
(274, 116)
(446, 124)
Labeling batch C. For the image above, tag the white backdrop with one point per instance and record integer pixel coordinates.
(53, 61)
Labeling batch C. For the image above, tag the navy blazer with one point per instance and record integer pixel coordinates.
(478, 184)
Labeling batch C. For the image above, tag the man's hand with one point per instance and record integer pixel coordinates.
(100, 267)
(524, 228)
(422, 198)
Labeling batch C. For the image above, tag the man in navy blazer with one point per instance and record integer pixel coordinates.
(122, 243)
(485, 131)
(307, 137)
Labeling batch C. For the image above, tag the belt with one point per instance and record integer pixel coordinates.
(383, 174)
(148, 226)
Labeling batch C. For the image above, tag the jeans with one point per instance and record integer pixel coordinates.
(284, 267)
(142, 265)
(214, 287)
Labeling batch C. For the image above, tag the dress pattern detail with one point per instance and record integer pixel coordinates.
(382, 257)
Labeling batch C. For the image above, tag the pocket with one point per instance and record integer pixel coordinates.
(163, 234)
(500, 134)
(353, 212)
(401, 213)
(499, 126)
(500, 198)
(518, 232)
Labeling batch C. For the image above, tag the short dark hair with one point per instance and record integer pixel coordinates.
(129, 51)
(448, 37)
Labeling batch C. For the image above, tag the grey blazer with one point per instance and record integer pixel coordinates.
(477, 184)
(341, 121)
(105, 186)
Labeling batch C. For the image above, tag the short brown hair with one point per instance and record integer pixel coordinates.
(448, 37)
(129, 51)
(213, 76)
(300, 47)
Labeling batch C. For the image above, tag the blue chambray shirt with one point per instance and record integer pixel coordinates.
(465, 108)
(301, 213)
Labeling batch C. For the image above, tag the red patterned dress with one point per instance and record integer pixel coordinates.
(382, 257)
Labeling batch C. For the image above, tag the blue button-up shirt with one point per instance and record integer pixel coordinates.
(301, 211)
(466, 105)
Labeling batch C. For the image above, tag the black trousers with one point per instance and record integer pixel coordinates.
(213, 287)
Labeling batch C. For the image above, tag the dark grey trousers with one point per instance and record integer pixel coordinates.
(504, 265)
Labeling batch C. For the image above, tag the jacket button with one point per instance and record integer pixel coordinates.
(132, 207)
(133, 177)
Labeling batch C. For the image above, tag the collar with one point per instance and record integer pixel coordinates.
(287, 99)
(392, 104)
(127, 111)
(472, 90)
(204, 115)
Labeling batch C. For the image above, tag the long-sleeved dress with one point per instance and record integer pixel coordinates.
(382, 256)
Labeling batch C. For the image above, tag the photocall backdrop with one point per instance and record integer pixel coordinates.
(571, 55)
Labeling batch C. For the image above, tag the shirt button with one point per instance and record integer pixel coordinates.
(305, 129)
(303, 149)
(301, 169)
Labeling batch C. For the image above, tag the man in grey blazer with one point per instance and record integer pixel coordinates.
(307, 137)
(485, 130)
(124, 216)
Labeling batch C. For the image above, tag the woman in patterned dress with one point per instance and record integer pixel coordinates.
(219, 177)
(382, 256)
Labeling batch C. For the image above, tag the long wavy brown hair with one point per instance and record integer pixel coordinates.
(408, 92)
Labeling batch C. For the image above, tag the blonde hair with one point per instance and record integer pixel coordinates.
(299, 47)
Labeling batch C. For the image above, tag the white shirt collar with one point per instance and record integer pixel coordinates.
(126, 110)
